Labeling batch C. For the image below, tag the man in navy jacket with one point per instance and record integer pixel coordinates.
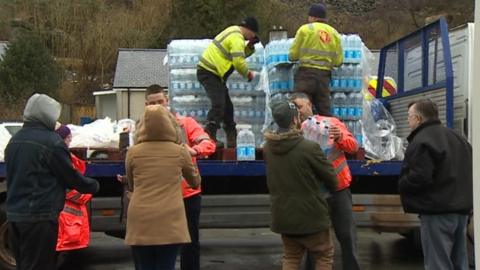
(436, 183)
(39, 170)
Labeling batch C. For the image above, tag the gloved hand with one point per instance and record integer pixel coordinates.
(250, 76)
(251, 43)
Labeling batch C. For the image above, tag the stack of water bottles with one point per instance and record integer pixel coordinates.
(186, 94)
(280, 74)
(248, 98)
(318, 131)
(189, 98)
(277, 52)
(238, 85)
(347, 84)
(245, 143)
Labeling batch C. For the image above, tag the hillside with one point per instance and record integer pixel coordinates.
(84, 36)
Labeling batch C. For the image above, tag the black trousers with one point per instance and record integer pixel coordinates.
(316, 84)
(221, 110)
(190, 253)
(33, 244)
(341, 213)
(160, 257)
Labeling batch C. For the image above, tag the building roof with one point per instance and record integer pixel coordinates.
(139, 68)
(3, 47)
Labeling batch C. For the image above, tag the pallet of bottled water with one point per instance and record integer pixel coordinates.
(276, 52)
(188, 97)
(347, 83)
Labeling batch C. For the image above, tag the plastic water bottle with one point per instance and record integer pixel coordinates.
(335, 105)
(358, 76)
(335, 83)
(283, 79)
(342, 104)
(351, 105)
(359, 105)
(343, 78)
(357, 132)
(346, 48)
(273, 77)
(310, 131)
(325, 142)
(349, 78)
(274, 52)
(350, 126)
(356, 43)
(246, 144)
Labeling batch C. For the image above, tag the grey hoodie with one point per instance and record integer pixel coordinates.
(43, 109)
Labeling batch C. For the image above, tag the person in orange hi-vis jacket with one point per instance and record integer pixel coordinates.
(198, 144)
(73, 224)
(340, 202)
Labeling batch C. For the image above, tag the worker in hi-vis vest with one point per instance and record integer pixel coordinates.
(226, 53)
(317, 47)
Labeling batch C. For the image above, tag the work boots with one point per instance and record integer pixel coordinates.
(211, 130)
(231, 134)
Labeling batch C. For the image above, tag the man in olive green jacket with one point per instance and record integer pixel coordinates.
(297, 174)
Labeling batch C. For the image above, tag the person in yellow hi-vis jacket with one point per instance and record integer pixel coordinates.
(317, 47)
(226, 53)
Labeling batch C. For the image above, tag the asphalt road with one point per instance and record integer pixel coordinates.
(247, 249)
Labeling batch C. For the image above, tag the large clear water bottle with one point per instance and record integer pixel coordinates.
(245, 143)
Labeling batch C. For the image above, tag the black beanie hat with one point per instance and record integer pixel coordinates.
(250, 23)
(283, 113)
(318, 11)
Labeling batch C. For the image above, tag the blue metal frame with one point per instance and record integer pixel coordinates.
(425, 59)
(238, 168)
(441, 24)
(401, 68)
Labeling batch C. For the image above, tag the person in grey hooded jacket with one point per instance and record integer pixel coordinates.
(38, 171)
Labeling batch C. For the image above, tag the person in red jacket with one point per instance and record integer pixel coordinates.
(198, 144)
(73, 224)
(340, 202)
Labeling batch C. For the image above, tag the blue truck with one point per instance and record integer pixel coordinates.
(430, 62)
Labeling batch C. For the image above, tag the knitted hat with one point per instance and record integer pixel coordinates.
(283, 113)
(250, 23)
(318, 11)
(63, 131)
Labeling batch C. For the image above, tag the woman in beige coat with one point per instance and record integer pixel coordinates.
(156, 222)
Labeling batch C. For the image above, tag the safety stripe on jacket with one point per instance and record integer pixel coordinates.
(318, 52)
(316, 62)
(208, 64)
(340, 167)
(72, 211)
